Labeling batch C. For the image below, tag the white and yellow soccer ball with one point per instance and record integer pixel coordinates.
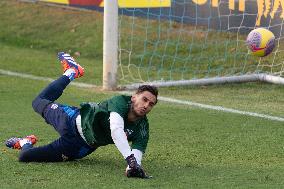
(261, 42)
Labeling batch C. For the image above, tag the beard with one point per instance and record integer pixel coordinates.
(136, 113)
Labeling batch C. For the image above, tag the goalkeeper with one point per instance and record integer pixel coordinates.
(117, 120)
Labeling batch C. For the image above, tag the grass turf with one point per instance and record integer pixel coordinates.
(189, 147)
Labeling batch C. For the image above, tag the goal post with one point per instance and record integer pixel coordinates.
(110, 45)
(190, 43)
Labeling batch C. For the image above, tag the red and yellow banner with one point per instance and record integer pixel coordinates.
(121, 3)
(263, 8)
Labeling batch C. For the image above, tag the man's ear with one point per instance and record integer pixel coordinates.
(133, 98)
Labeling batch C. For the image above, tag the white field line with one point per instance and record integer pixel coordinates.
(219, 108)
(165, 99)
(22, 75)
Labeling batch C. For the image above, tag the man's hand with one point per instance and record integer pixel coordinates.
(134, 169)
(138, 173)
(131, 161)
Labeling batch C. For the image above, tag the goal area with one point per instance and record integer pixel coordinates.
(190, 42)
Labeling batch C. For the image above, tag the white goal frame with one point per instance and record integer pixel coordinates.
(110, 60)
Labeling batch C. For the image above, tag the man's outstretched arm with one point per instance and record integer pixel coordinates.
(117, 133)
(133, 157)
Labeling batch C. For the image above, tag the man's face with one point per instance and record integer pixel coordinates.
(143, 103)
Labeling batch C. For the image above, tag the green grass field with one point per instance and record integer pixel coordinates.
(189, 147)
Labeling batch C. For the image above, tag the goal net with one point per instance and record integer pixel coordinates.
(198, 40)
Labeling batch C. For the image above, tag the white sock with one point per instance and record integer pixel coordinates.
(70, 73)
(25, 141)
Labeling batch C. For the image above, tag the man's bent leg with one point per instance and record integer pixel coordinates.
(51, 93)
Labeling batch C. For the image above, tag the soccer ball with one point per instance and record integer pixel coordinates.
(261, 42)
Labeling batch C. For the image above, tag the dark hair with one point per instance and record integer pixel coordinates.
(150, 88)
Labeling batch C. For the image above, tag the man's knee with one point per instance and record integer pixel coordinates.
(39, 104)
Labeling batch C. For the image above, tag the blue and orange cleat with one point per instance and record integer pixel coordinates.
(14, 142)
(68, 62)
